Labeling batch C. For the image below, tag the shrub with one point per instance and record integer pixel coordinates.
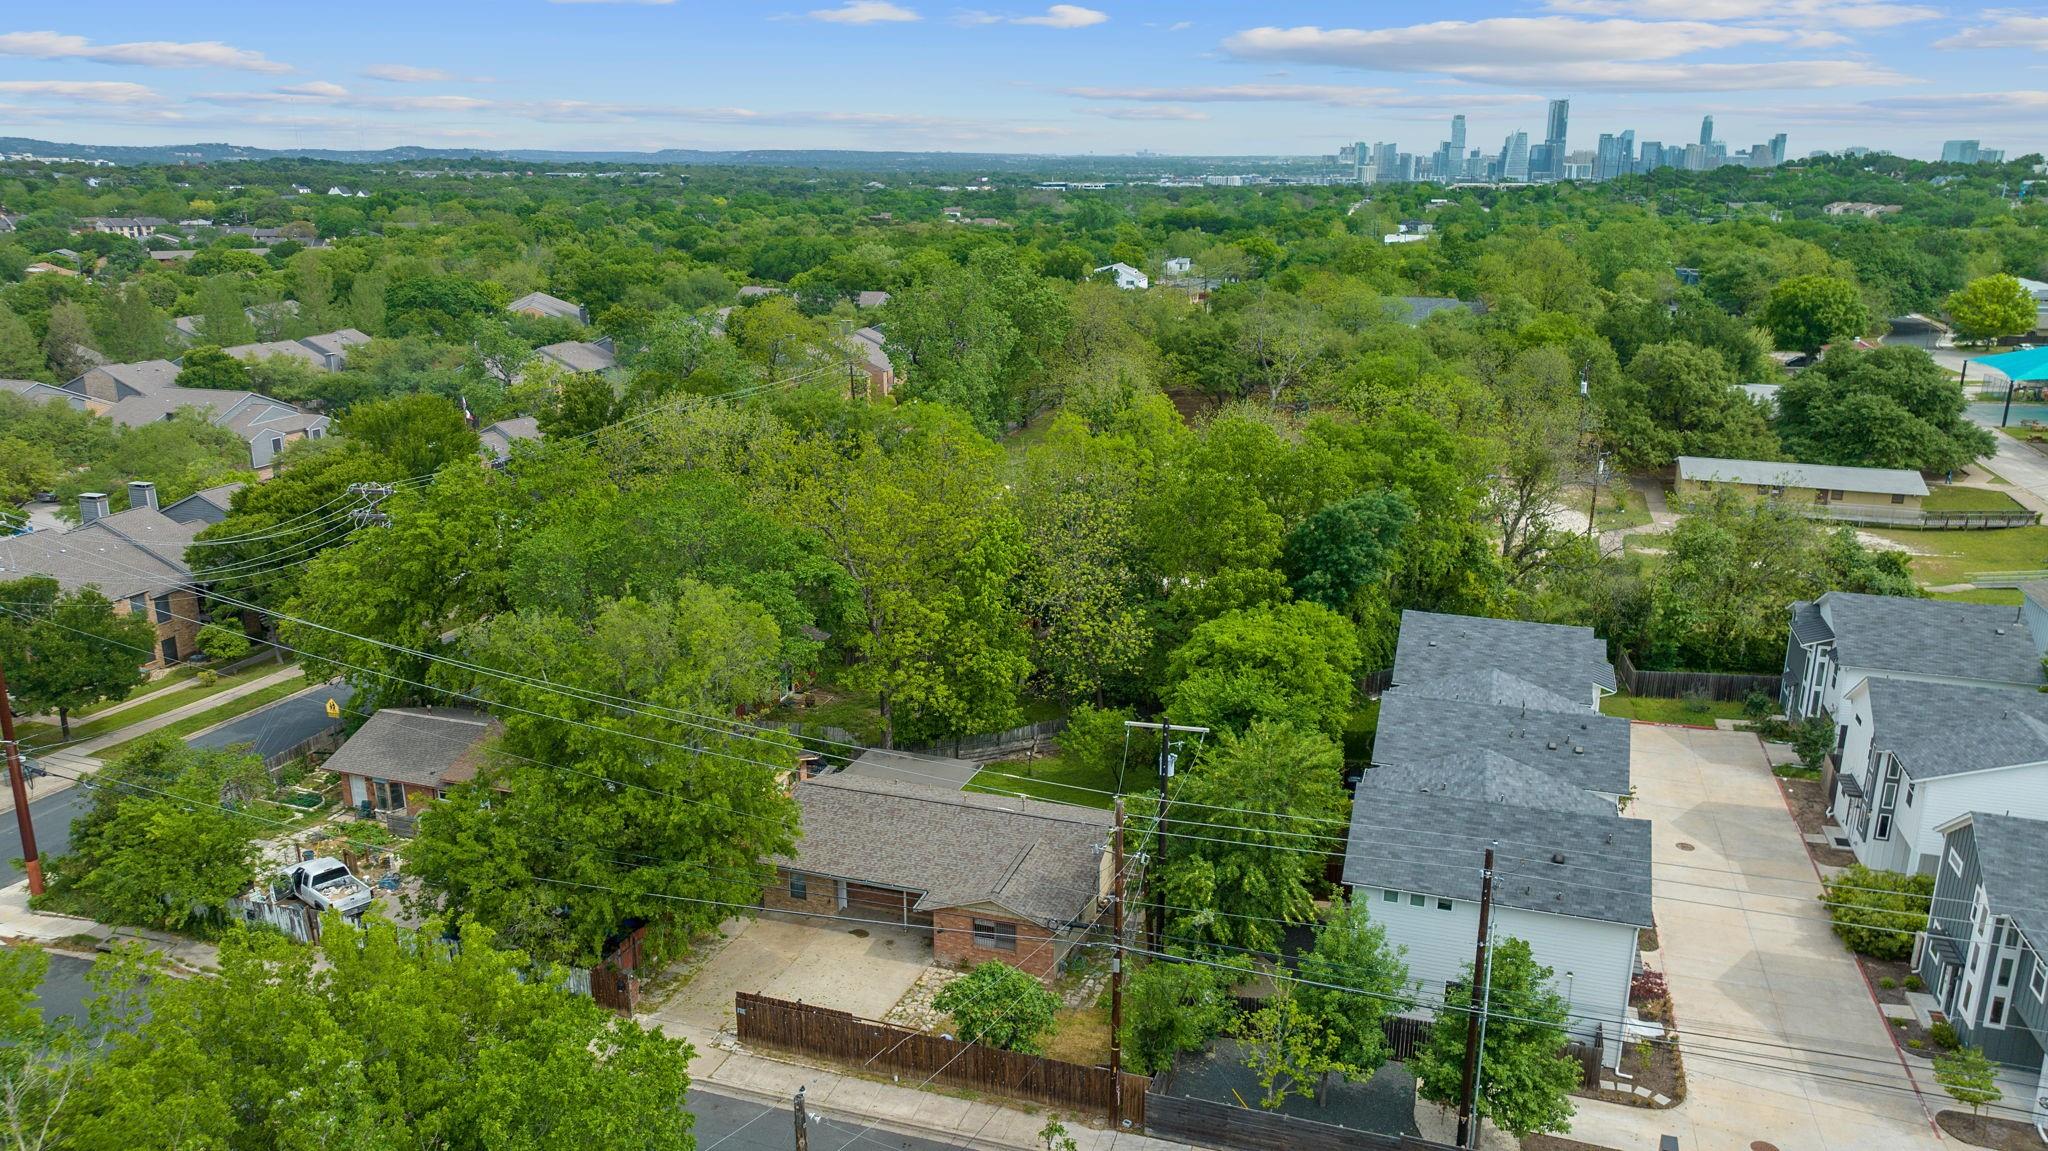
(1887, 982)
(1170, 1008)
(1696, 703)
(1915, 983)
(222, 642)
(1944, 1035)
(1001, 1006)
(1759, 705)
(1813, 739)
(1875, 913)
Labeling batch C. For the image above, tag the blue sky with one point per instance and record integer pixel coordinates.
(1182, 76)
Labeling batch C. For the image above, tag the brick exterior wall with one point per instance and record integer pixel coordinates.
(821, 895)
(182, 626)
(954, 945)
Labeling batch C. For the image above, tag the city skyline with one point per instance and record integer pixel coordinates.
(1199, 78)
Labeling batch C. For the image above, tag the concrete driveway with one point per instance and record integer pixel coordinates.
(1781, 1038)
(862, 969)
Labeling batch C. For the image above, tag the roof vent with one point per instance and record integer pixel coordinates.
(1999, 630)
(1552, 745)
(1557, 857)
(1578, 750)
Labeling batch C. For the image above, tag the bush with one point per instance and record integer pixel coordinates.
(1759, 705)
(1887, 982)
(1944, 1035)
(1813, 739)
(1170, 1008)
(223, 642)
(1001, 1006)
(1875, 913)
(1915, 983)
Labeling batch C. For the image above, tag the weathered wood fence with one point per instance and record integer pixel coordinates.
(1716, 685)
(879, 1047)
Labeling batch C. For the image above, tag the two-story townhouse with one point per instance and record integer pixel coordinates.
(1842, 638)
(266, 425)
(1569, 663)
(1917, 755)
(1982, 952)
(136, 558)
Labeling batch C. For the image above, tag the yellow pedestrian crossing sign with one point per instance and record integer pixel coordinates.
(333, 709)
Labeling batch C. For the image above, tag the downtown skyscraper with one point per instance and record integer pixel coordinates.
(1554, 148)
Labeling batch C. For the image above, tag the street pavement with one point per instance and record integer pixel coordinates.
(282, 725)
(64, 990)
(52, 813)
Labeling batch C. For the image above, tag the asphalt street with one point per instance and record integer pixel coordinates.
(53, 813)
(281, 726)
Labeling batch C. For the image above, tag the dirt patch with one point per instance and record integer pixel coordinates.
(1654, 1065)
(1878, 543)
(915, 1009)
(1080, 1035)
(1560, 1143)
(1881, 971)
(1809, 808)
(1913, 1039)
(1987, 1131)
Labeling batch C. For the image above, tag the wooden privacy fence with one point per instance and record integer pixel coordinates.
(874, 1046)
(1732, 687)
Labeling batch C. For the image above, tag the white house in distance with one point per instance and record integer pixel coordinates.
(1128, 278)
(1179, 265)
(1917, 755)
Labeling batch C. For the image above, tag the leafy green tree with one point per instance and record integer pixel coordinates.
(419, 434)
(583, 404)
(380, 1038)
(444, 306)
(1171, 1008)
(68, 342)
(1352, 952)
(44, 1062)
(165, 844)
(223, 642)
(67, 650)
(1891, 407)
(1291, 1049)
(1346, 547)
(1526, 1079)
(1992, 306)
(180, 455)
(1290, 663)
(206, 366)
(1807, 313)
(133, 328)
(1679, 399)
(20, 357)
(974, 334)
(1001, 1006)
(1241, 869)
(296, 512)
(929, 547)
(1968, 1077)
(1875, 913)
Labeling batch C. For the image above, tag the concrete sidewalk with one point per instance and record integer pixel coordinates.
(78, 758)
(986, 1126)
(19, 923)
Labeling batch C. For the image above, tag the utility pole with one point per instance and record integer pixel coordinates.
(1116, 969)
(30, 861)
(1593, 505)
(803, 1134)
(368, 512)
(1468, 1093)
(1155, 912)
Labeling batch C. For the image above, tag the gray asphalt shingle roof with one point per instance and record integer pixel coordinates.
(903, 767)
(1565, 661)
(1966, 641)
(957, 849)
(1808, 626)
(1939, 729)
(130, 552)
(427, 748)
(543, 304)
(1580, 749)
(1773, 473)
(1425, 829)
(2012, 856)
(579, 355)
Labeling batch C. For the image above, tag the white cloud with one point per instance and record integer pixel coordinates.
(80, 91)
(1972, 107)
(1148, 112)
(1859, 14)
(2007, 30)
(406, 74)
(143, 53)
(866, 12)
(1333, 95)
(1064, 16)
(319, 89)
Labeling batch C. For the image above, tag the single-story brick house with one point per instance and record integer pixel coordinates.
(404, 758)
(992, 877)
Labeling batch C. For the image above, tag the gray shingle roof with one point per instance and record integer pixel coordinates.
(268, 348)
(1415, 309)
(1939, 729)
(427, 748)
(497, 440)
(127, 553)
(1966, 641)
(336, 342)
(1492, 685)
(925, 770)
(1566, 661)
(1580, 749)
(957, 849)
(579, 355)
(2012, 856)
(542, 304)
(1808, 626)
(1426, 830)
(1882, 481)
(205, 507)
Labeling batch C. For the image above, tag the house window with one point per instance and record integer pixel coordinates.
(1820, 495)
(1898, 499)
(1415, 899)
(388, 795)
(138, 605)
(1390, 896)
(1836, 494)
(1955, 861)
(2037, 980)
(799, 887)
(163, 609)
(2005, 970)
(1994, 1016)
(276, 444)
(1909, 793)
(1443, 904)
(1884, 826)
(995, 935)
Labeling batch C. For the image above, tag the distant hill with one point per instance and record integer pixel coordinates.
(779, 158)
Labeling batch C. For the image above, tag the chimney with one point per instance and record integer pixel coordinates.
(91, 506)
(141, 494)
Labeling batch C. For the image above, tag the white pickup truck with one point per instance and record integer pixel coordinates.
(326, 883)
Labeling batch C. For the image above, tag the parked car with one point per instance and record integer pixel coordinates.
(327, 884)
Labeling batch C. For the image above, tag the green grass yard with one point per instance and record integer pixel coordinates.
(156, 703)
(1051, 777)
(1698, 713)
(212, 715)
(2002, 596)
(1950, 498)
(1952, 556)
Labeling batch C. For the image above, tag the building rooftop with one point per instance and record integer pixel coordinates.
(1582, 749)
(579, 355)
(905, 767)
(1939, 729)
(542, 304)
(1771, 473)
(124, 554)
(1563, 661)
(427, 748)
(1965, 641)
(2012, 856)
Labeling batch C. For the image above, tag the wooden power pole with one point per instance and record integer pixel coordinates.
(1468, 1093)
(803, 1134)
(30, 862)
(1116, 970)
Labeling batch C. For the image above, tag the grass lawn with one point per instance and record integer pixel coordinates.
(1950, 498)
(1620, 506)
(1952, 556)
(177, 677)
(1080, 1035)
(2003, 596)
(212, 715)
(43, 734)
(1699, 713)
(1051, 777)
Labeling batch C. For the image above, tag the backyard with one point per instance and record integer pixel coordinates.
(1954, 498)
(1696, 712)
(1941, 558)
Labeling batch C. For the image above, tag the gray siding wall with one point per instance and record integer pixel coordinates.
(2019, 1042)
